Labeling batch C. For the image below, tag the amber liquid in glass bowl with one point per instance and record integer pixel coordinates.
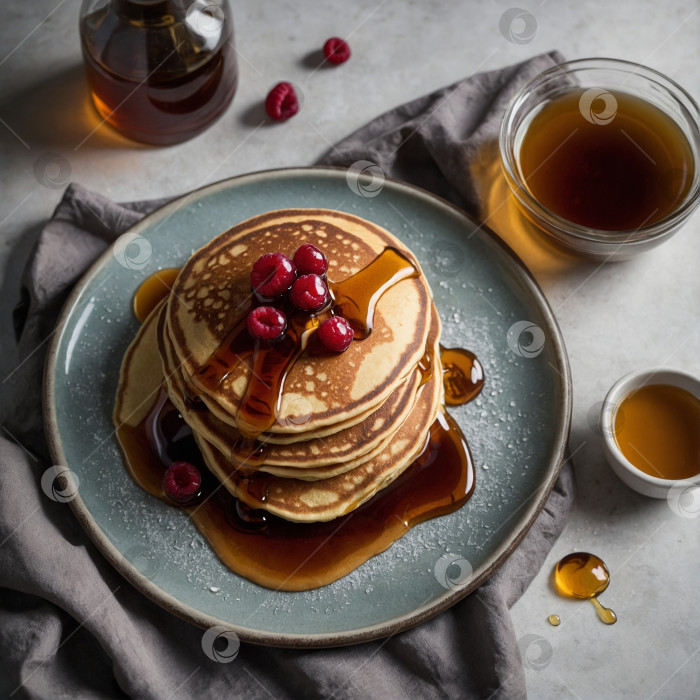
(614, 162)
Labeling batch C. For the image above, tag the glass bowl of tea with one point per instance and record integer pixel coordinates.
(603, 155)
(650, 422)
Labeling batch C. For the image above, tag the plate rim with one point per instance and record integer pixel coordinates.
(308, 640)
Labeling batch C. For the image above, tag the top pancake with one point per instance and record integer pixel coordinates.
(212, 295)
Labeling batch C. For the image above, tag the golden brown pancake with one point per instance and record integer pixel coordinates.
(212, 295)
(315, 458)
(312, 501)
(347, 424)
(141, 376)
(341, 450)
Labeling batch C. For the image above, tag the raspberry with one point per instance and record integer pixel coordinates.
(282, 102)
(336, 334)
(310, 260)
(336, 50)
(272, 275)
(266, 323)
(309, 293)
(182, 482)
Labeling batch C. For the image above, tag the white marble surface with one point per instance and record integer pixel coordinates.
(614, 318)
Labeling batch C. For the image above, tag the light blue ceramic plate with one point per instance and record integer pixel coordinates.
(517, 428)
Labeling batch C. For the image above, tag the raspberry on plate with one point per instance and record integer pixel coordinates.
(266, 323)
(282, 102)
(272, 275)
(182, 482)
(336, 334)
(336, 50)
(309, 293)
(310, 260)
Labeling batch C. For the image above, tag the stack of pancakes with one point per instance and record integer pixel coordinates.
(346, 424)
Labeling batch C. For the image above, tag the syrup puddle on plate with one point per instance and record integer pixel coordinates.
(262, 547)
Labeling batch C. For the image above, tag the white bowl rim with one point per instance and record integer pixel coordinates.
(621, 388)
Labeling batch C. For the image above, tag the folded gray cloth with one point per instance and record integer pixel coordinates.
(70, 626)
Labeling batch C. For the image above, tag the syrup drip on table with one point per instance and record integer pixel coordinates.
(291, 556)
(584, 575)
(354, 298)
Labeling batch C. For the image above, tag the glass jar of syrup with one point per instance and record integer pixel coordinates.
(159, 71)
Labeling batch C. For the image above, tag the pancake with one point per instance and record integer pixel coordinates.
(141, 376)
(344, 425)
(290, 498)
(212, 295)
(314, 501)
(298, 413)
(341, 450)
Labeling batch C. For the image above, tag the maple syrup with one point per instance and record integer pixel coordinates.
(584, 575)
(554, 620)
(153, 290)
(628, 170)
(657, 428)
(463, 375)
(159, 72)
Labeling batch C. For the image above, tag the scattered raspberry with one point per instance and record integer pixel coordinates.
(182, 482)
(336, 50)
(272, 275)
(282, 102)
(309, 293)
(266, 323)
(336, 334)
(310, 260)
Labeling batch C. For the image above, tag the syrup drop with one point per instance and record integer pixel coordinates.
(584, 575)
(554, 620)
(462, 375)
(152, 290)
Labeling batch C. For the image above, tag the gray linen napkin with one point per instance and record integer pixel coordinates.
(70, 626)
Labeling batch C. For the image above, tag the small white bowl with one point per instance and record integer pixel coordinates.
(635, 478)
